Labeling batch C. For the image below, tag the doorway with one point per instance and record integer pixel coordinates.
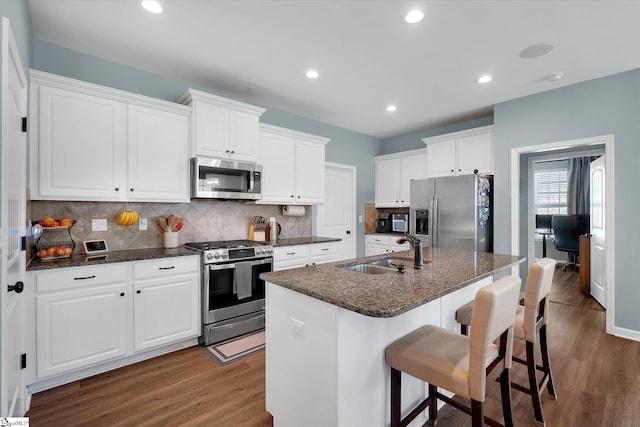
(516, 205)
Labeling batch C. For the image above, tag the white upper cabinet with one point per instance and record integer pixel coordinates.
(223, 128)
(460, 153)
(393, 174)
(292, 166)
(94, 143)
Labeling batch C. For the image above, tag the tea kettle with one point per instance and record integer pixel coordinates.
(267, 230)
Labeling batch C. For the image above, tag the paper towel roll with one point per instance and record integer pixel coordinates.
(293, 210)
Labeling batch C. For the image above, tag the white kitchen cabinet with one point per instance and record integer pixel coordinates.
(94, 143)
(460, 153)
(288, 257)
(378, 244)
(292, 166)
(166, 302)
(393, 175)
(87, 317)
(223, 128)
(83, 318)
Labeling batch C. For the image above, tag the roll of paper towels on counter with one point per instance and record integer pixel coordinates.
(293, 210)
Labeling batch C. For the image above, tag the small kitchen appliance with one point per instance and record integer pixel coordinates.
(232, 291)
(383, 224)
(400, 222)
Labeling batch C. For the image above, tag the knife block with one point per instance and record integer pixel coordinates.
(257, 232)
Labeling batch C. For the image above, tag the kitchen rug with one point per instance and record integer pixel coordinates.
(237, 348)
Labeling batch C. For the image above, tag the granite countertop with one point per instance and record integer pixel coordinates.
(82, 260)
(388, 295)
(293, 241)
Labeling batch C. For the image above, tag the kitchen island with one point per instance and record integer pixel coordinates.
(327, 328)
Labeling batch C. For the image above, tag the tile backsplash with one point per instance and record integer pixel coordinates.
(204, 220)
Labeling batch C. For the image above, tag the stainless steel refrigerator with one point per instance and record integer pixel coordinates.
(453, 212)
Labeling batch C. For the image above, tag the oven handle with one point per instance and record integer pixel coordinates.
(221, 266)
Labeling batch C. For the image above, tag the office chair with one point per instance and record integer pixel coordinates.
(567, 230)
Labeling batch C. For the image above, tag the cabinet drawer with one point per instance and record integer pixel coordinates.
(69, 278)
(290, 252)
(322, 249)
(376, 239)
(166, 266)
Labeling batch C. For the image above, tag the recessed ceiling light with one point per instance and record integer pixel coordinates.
(152, 6)
(391, 108)
(485, 79)
(555, 77)
(414, 16)
(312, 74)
(536, 50)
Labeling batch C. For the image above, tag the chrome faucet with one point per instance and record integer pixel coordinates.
(416, 246)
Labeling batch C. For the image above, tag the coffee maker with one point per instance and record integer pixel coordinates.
(384, 223)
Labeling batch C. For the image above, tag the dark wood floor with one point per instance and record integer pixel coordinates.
(597, 379)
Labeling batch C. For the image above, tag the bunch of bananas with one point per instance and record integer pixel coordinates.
(127, 217)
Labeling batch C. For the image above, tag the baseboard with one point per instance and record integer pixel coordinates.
(629, 334)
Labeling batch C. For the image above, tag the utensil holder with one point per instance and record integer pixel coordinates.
(170, 239)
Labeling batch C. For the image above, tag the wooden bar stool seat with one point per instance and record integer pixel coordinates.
(459, 363)
(531, 326)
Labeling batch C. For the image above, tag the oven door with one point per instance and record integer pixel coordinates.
(234, 288)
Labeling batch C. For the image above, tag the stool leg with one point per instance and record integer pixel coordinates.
(533, 384)
(433, 406)
(505, 389)
(477, 413)
(545, 361)
(395, 397)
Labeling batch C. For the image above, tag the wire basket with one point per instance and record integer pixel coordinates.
(49, 226)
(54, 250)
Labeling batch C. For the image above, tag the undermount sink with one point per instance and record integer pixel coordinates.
(379, 266)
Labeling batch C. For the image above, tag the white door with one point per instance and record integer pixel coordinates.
(12, 226)
(337, 216)
(598, 252)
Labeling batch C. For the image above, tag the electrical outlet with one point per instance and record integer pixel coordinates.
(360, 218)
(142, 224)
(99, 224)
(297, 327)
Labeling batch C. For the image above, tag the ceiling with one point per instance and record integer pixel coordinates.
(368, 57)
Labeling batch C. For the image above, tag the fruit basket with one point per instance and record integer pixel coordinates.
(56, 224)
(46, 251)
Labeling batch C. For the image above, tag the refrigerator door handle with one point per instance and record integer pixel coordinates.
(434, 221)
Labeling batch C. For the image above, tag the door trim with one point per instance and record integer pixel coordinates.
(608, 142)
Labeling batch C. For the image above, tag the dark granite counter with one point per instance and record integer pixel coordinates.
(82, 260)
(293, 241)
(391, 294)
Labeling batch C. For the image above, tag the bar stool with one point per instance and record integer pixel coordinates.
(458, 363)
(531, 326)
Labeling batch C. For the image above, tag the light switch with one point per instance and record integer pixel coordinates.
(99, 224)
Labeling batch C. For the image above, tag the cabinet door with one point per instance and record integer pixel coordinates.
(277, 156)
(81, 327)
(166, 310)
(322, 253)
(211, 130)
(81, 147)
(411, 167)
(395, 247)
(376, 245)
(441, 158)
(387, 182)
(475, 152)
(243, 136)
(309, 173)
(158, 155)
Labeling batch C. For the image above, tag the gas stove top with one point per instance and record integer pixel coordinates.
(231, 250)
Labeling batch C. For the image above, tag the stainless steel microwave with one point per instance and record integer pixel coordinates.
(213, 178)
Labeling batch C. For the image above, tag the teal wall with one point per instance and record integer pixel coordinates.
(609, 105)
(345, 147)
(413, 141)
(17, 11)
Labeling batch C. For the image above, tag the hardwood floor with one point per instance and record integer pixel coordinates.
(597, 379)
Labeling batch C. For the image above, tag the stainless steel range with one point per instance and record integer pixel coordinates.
(232, 292)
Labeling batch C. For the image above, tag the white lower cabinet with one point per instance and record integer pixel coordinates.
(166, 301)
(379, 244)
(86, 316)
(288, 257)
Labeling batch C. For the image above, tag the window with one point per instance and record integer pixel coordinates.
(551, 191)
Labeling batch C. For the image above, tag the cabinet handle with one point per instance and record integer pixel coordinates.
(291, 253)
(298, 197)
(18, 287)
(84, 278)
(324, 249)
(459, 170)
(138, 291)
(292, 196)
(348, 231)
(121, 294)
(132, 189)
(117, 188)
(167, 268)
(233, 152)
(452, 170)
(226, 151)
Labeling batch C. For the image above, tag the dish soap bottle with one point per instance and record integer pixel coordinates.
(273, 230)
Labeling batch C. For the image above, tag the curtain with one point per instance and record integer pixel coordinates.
(578, 185)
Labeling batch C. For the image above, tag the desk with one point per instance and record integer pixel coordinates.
(585, 263)
(544, 235)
